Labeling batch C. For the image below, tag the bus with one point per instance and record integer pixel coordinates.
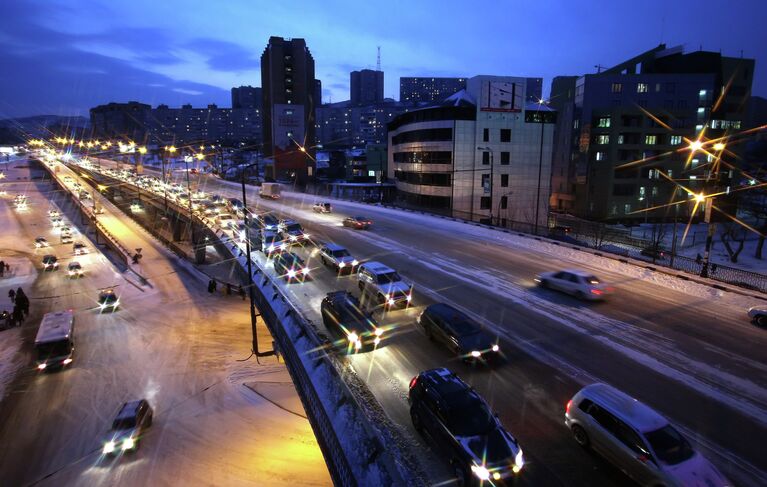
(55, 341)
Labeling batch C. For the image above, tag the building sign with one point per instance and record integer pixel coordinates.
(501, 96)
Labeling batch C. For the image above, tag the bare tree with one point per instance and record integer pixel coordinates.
(733, 233)
(754, 204)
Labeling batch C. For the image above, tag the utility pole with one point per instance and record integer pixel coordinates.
(540, 169)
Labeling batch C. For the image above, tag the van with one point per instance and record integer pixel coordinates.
(636, 439)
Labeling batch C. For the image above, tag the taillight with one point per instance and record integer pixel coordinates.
(567, 408)
(413, 381)
(596, 291)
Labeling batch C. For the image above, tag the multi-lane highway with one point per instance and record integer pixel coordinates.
(171, 343)
(686, 350)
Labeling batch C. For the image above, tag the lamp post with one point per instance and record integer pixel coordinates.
(488, 149)
(708, 201)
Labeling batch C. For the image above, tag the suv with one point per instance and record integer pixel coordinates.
(456, 331)
(292, 231)
(636, 439)
(336, 256)
(463, 427)
(386, 285)
(129, 425)
(290, 266)
(267, 221)
(343, 316)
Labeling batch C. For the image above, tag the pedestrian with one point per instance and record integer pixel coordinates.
(23, 301)
(241, 292)
(12, 295)
(2, 268)
(228, 289)
(215, 285)
(211, 286)
(7, 267)
(18, 315)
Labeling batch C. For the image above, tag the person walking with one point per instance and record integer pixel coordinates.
(18, 315)
(22, 301)
(228, 289)
(2, 268)
(211, 286)
(12, 295)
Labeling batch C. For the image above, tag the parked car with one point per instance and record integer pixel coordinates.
(463, 429)
(344, 318)
(322, 208)
(454, 330)
(580, 284)
(128, 427)
(358, 222)
(636, 439)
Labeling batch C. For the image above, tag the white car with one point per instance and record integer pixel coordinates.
(758, 315)
(384, 284)
(580, 284)
(338, 257)
(41, 242)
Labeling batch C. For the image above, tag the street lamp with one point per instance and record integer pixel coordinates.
(488, 149)
(700, 198)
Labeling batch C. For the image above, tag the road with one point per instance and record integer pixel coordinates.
(172, 343)
(686, 350)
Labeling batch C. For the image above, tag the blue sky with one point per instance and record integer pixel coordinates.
(63, 57)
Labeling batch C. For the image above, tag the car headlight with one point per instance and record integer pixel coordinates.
(42, 366)
(128, 443)
(305, 271)
(270, 248)
(496, 348)
(102, 305)
(66, 361)
(353, 337)
(293, 238)
(378, 332)
(519, 462)
(306, 235)
(291, 273)
(342, 265)
(377, 341)
(71, 273)
(476, 354)
(409, 297)
(355, 262)
(109, 447)
(283, 247)
(481, 471)
(391, 301)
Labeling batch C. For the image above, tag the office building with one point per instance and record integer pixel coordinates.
(342, 126)
(289, 101)
(425, 89)
(247, 97)
(484, 152)
(633, 124)
(366, 87)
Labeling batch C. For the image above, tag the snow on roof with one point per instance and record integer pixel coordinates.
(459, 99)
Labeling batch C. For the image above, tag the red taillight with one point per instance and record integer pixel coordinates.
(596, 291)
(567, 408)
(413, 381)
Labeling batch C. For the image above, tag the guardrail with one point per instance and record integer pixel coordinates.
(369, 453)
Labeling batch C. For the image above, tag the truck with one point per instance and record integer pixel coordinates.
(270, 190)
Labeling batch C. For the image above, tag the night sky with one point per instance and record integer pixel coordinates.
(63, 57)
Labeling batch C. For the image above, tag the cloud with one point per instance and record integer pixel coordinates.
(224, 55)
(188, 92)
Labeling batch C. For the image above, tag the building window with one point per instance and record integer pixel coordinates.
(617, 88)
(676, 139)
(505, 158)
(485, 181)
(505, 135)
(600, 156)
(288, 111)
(604, 122)
(641, 87)
(603, 139)
(657, 87)
(505, 202)
(484, 203)
(621, 139)
(627, 208)
(504, 180)
(486, 158)
(576, 123)
(485, 135)
(655, 191)
(650, 139)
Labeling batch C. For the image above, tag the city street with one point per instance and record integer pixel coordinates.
(169, 342)
(686, 350)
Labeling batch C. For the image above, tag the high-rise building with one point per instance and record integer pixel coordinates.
(366, 87)
(317, 93)
(562, 99)
(125, 121)
(632, 125)
(289, 101)
(246, 97)
(534, 89)
(483, 152)
(414, 90)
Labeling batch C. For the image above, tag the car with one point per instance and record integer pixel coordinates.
(290, 267)
(84, 195)
(292, 232)
(74, 269)
(343, 317)
(136, 205)
(53, 213)
(464, 429)
(224, 219)
(271, 242)
(636, 439)
(337, 257)
(65, 228)
(386, 286)
(451, 328)
(758, 315)
(580, 284)
(358, 222)
(50, 262)
(57, 222)
(129, 425)
(234, 204)
(41, 242)
(79, 248)
(267, 221)
(322, 208)
(108, 300)
(66, 238)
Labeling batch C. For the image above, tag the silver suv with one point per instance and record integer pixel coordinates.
(636, 439)
(385, 284)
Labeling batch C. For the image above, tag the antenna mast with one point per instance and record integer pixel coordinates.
(378, 60)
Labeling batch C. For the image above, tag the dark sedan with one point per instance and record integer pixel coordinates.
(451, 328)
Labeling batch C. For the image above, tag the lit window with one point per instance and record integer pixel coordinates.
(650, 139)
(600, 156)
(617, 87)
(621, 139)
(702, 93)
(641, 87)
(603, 139)
(676, 139)
(604, 122)
(627, 208)
(655, 191)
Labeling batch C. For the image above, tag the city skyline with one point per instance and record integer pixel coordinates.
(168, 54)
